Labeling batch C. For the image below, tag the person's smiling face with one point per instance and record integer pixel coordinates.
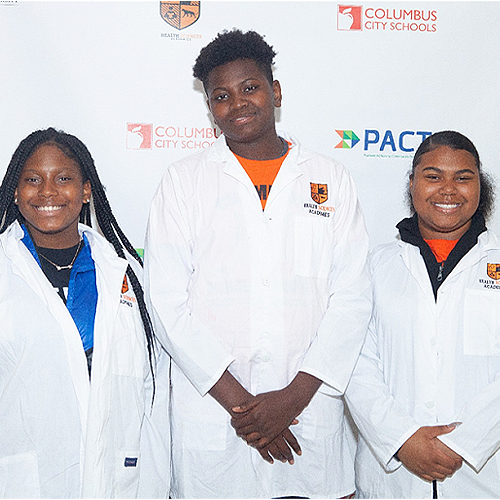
(50, 194)
(445, 191)
(242, 102)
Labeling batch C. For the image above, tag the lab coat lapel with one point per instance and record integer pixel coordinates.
(416, 266)
(25, 266)
(288, 172)
(110, 271)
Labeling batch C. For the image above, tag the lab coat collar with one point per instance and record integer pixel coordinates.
(415, 263)
(290, 170)
(103, 254)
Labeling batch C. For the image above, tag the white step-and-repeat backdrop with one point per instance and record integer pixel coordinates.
(363, 82)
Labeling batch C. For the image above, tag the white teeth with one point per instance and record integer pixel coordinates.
(446, 207)
(49, 208)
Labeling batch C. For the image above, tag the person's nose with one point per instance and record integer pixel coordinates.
(448, 187)
(48, 188)
(239, 101)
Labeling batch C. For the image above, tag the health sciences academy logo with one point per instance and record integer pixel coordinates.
(180, 14)
(359, 18)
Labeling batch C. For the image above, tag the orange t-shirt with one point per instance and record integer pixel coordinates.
(441, 248)
(262, 174)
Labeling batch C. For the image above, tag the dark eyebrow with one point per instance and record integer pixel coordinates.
(246, 81)
(463, 171)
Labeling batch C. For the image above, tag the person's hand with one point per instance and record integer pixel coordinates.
(426, 456)
(264, 418)
(279, 448)
(229, 393)
(268, 414)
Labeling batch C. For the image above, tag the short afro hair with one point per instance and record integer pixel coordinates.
(229, 46)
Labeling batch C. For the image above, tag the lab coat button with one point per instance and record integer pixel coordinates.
(265, 281)
(430, 404)
(265, 359)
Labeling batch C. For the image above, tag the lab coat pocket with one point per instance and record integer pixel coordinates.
(481, 325)
(127, 474)
(313, 252)
(19, 476)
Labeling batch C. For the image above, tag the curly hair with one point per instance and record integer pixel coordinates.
(74, 149)
(229, 46)
(456, 140)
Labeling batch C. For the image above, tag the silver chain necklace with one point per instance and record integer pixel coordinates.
(68, 266)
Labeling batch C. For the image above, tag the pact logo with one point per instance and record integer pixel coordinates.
(350, 18)
(383, 141)
(139, 135)
(406, 141)
(349, 139)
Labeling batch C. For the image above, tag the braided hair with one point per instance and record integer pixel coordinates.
(74, 149)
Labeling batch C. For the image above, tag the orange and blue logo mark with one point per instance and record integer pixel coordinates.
(180, 14)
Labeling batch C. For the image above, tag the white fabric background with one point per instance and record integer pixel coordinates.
(94, 68)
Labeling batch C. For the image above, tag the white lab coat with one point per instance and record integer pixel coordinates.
(430, 362)
(61, 435)
(264, 294)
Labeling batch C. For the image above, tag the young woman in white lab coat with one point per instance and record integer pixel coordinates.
(425, 393)
(82, 380)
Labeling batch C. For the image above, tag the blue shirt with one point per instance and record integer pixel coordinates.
(82, 290)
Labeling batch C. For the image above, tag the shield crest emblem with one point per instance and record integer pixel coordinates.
(493, 271)
(319, 192)
(180, 14)
(125, 285)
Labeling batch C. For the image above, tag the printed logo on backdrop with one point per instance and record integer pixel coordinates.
(350, 17)
(383, 143)
(349, 139)
(383, 18)
(150, 136)
(139, 135)
(180, 14)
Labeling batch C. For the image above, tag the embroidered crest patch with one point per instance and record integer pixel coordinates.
(125, 285)
(493, 271)
(319, 192)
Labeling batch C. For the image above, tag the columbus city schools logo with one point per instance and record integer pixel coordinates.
(180, 14)
(319, 193)
(493, 271)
